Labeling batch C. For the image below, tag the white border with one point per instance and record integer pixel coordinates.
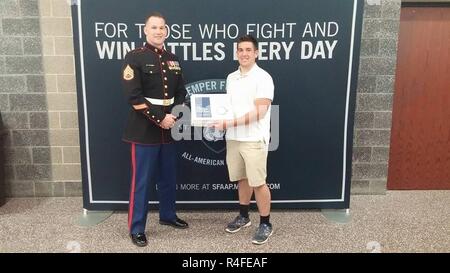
(83, 86)
(86, 127)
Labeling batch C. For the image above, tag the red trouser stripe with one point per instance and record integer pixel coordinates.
(133, 185)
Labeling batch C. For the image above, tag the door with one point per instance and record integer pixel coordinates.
(420, 139)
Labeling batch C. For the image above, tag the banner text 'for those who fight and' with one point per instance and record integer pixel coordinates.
(278, 41)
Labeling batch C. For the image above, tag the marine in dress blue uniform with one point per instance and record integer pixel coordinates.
(153, 84)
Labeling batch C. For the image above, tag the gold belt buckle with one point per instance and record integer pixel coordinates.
(166, 102)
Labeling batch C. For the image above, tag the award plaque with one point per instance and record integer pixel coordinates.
(208, 108)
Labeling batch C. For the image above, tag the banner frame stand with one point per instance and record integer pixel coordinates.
(89, 218)
(341, 216)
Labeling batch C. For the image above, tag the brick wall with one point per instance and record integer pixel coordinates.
(38, 98)
(39, 106)
(375, 96)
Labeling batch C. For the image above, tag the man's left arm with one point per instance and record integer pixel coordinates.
(180, 92)
(264, 97)
(258, 112)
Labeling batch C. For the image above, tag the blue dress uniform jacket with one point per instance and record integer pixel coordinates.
(152, 76)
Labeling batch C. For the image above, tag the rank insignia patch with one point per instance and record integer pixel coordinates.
(128, 73)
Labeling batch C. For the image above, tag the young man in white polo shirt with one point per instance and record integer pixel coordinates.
(251, 89)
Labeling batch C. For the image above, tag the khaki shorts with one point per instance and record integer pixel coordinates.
(247, 160)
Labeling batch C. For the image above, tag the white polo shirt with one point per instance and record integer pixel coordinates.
(244, 89)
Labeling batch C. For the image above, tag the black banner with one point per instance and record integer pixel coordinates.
(310, 48)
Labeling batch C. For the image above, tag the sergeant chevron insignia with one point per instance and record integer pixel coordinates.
(128, 73)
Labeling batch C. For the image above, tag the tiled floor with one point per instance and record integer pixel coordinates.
(400, 221)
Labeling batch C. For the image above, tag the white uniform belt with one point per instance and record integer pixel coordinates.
(165, 102)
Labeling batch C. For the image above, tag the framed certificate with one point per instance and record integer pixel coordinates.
(207, 108)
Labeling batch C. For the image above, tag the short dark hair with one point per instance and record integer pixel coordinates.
(155, 14)
(248, 38)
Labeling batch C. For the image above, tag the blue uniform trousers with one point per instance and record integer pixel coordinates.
(150, 162)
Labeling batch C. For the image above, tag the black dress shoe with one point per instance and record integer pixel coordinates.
(177, 223)
(139, 239)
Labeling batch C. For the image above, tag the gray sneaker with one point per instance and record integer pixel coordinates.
(262, 234)
(238, 223)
